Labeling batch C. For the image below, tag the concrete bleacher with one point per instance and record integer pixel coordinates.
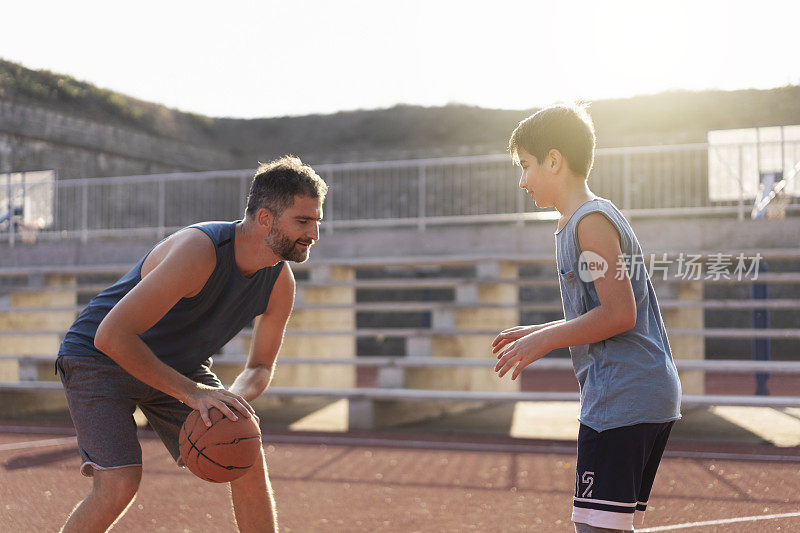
(422, 324)
(419, 265)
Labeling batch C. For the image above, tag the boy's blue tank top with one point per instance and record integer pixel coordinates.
(195, 328)
(629, 378)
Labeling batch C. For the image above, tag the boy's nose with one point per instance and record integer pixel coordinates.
(523, 183)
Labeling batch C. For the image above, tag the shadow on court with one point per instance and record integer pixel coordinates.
(335, 487)
(38, 459)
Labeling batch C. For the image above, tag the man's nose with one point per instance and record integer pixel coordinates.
(315, 231)
(523, 183)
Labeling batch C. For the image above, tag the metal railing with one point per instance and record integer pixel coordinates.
(458, 190)
(390, 369)
(402, 393)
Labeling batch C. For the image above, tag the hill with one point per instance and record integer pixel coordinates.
(403, 131)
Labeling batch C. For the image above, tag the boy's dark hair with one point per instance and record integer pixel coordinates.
(277, 183)
(567, 128)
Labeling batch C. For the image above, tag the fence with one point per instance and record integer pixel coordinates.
(476, 189)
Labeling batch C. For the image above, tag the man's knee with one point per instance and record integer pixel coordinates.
(255, 474)
(117, 487)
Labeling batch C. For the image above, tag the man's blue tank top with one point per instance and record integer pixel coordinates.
(629, 378)
(195, 328)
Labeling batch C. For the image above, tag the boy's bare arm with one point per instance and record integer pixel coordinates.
(517, 332)
(615, 314)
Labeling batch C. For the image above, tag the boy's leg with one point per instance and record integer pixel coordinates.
(609, 474)
(650, 469)
(112, 493)
(586, 528)
(253, 503)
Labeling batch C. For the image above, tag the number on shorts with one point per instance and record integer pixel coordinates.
(588, 480)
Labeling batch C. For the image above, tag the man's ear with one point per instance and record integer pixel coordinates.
(265, 218)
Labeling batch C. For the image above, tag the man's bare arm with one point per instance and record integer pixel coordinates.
(268, 333)
(181, 272)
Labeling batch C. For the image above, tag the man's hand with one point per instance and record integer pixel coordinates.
(203, 398)
(522, 352)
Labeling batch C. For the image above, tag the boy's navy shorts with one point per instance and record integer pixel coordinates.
(102, 397)
(615, 472)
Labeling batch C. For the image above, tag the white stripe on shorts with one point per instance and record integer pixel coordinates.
(604, 502)
(606, 519)
(87, 472)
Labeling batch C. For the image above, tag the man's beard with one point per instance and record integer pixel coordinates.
(285, 248)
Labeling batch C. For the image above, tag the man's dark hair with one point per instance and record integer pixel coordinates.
(276, 184)
(563, 127)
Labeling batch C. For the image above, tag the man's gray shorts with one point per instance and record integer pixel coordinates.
(102, 398)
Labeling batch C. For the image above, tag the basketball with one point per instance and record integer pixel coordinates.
(223, 451)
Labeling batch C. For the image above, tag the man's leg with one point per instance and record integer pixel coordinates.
(101, 398)
(253, 504)
(111, 495)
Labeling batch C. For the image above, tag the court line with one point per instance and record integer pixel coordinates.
(717, 522)
(37, 443)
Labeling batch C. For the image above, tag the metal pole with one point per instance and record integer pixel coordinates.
(422, 184)
(242, 195)
(626, 181)
(758, 151)
(24, 185)
(10, 208)
(761, 346)
(783, 154)
(161, 208)
(56, 192)
(85, 212)
(741, 185)
(328, 211)
(520, 207)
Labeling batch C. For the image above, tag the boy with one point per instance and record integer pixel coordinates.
(630, 392)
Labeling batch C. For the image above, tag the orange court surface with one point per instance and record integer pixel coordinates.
(407, 482)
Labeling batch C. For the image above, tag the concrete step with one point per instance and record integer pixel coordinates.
(15, 320)
(25, 343)
(44, 297)
(721, 333)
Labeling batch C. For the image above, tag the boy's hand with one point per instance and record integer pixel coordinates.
(511, 334)
(521, 353)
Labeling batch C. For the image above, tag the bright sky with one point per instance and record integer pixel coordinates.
(293, 57)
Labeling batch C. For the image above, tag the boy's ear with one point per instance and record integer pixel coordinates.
(554, 160)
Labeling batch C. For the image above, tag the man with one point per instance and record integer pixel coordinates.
(146, 341)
